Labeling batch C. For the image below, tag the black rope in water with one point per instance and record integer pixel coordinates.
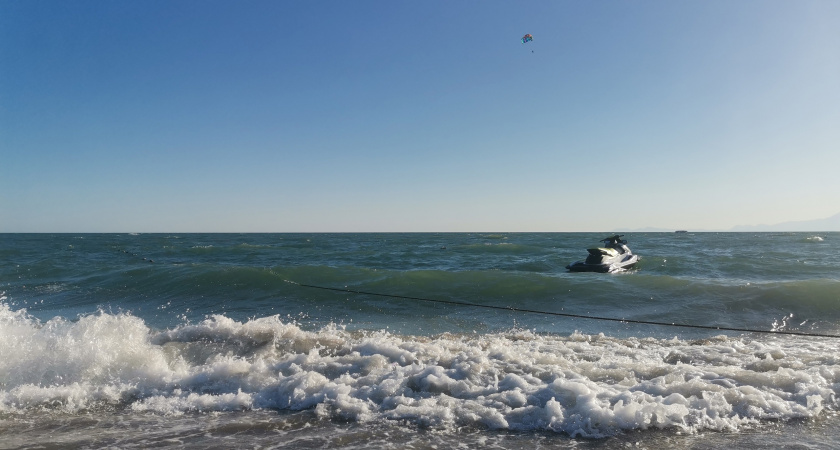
(576, 316)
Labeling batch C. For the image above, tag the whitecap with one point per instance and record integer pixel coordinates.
(580, 385)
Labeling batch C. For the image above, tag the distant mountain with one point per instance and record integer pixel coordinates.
(830, 224)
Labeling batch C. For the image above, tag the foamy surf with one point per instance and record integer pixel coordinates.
(578, 385)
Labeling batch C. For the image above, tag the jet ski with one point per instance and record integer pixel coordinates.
(614, 256)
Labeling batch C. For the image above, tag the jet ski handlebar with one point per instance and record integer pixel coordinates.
(614, 239)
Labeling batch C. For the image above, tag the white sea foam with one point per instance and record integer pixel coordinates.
(582, 385)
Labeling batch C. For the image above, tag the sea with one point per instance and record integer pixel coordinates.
(418, 341)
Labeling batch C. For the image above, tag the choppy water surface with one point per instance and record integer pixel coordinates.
(200, 340)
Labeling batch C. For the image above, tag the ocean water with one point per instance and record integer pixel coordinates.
(209, 340)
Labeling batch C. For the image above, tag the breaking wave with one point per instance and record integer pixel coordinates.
(580, 385)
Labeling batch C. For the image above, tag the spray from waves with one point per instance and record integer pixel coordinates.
(581, 385)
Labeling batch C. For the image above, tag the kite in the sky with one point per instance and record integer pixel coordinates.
(527, 38)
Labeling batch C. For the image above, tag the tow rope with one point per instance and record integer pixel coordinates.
(576, 316)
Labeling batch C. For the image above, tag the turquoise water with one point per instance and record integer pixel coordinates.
(114, 339)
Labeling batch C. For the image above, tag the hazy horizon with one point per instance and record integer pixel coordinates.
(809, 226)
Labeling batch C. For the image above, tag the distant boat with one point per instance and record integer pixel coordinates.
(681, 231)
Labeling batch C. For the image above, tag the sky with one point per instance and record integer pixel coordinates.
(382, 115)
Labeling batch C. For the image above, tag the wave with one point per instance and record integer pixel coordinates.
(196, 289)
(580, 385)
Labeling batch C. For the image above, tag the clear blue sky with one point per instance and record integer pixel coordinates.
(180, 116)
